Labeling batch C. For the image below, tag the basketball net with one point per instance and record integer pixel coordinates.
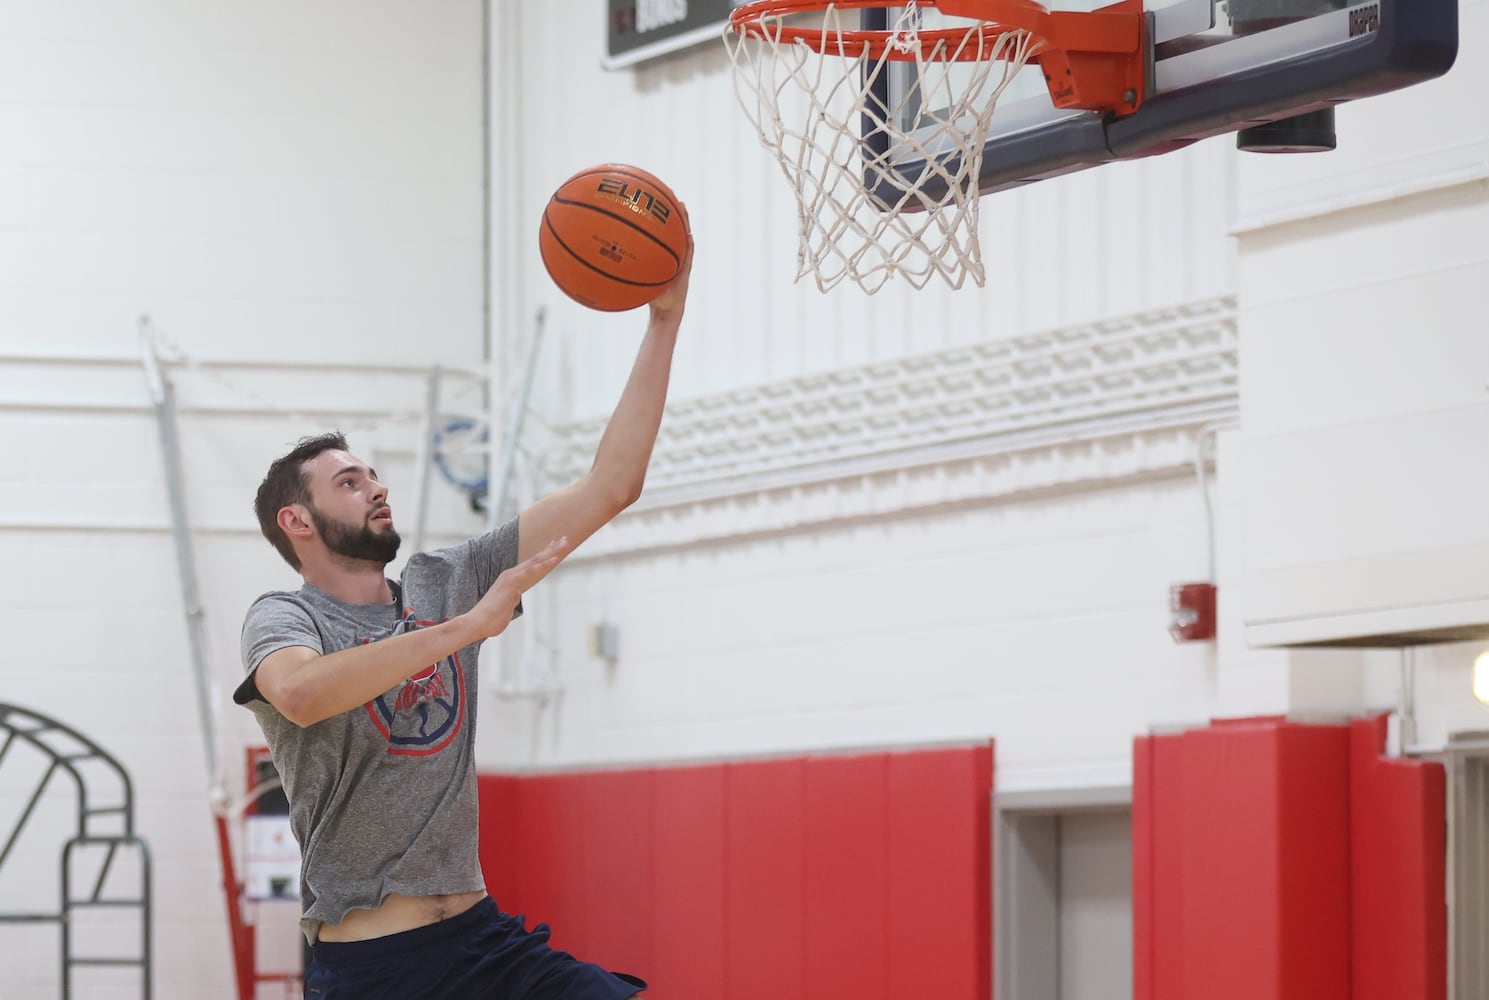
(813, 102)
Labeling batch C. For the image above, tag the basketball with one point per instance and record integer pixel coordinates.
(613, 237)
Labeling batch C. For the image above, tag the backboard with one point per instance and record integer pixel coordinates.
(1213, 66)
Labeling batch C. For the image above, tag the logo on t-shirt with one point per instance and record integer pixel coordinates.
(425, 713)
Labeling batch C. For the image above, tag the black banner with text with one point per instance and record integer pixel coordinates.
(637, 30)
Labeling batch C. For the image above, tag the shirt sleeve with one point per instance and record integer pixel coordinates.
(274, 622)
(493, 553)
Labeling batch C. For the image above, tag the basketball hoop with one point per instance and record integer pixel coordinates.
(814, 94)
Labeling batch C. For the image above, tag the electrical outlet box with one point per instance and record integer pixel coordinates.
(604, 641)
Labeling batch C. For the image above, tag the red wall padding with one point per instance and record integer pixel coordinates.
(1246, 864)
(940, 875)
(498, 841)
(862, 876)
(1279, 861)
(1398, 866)
(847, 885)
(764, 879)
(688, 915)
(617, 854)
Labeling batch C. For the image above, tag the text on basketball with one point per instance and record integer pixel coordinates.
(635, 197)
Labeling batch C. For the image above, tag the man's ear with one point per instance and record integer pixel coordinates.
(294, 521)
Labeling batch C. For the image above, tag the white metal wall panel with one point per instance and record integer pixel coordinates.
(1105, 242)
(1361, 280)
(1424, 137)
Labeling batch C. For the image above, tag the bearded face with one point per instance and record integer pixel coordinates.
(361, 541)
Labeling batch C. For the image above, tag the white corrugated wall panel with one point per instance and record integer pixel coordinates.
(1111, 241)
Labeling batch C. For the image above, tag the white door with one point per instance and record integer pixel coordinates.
(1095, 906)
(1064, 887)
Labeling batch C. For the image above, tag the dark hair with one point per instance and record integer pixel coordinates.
(285, 484)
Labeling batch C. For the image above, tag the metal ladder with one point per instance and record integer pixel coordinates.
(68, 752)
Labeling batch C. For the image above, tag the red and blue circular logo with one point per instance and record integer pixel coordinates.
(425, 713)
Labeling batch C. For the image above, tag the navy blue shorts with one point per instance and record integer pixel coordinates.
(482, 954)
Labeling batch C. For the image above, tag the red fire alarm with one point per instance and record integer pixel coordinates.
(1191, 611)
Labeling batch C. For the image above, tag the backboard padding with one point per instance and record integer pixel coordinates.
(1216, 66)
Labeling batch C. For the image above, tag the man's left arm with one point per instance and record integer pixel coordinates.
(615, 478)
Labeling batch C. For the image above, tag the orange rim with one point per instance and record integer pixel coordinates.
(999, 17)
(1091, 60)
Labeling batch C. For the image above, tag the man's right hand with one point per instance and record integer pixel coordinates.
(307, 687)
(493, 612)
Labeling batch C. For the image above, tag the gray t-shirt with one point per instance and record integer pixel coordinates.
(382, 797)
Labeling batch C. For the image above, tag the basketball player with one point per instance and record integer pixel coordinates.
(366, 692)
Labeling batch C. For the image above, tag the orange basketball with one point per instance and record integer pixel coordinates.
(613, 237)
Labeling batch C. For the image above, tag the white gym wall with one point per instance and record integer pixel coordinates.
(293, 194)
(949, 590)
(294, 197)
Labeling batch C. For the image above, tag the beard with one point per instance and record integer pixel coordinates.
(357, 542)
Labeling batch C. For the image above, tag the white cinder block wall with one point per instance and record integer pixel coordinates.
(293, 194)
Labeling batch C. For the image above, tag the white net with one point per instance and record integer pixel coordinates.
(884, 187)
